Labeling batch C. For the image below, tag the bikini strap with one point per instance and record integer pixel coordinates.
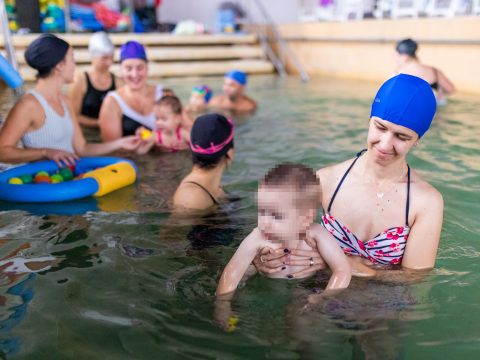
(408, 196)
(204, 189)
(343, 178)
(159, 136)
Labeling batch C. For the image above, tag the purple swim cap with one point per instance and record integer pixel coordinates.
(132, 50)
(406, 100)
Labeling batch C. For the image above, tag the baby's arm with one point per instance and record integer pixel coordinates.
(333, 256)
(238, 264)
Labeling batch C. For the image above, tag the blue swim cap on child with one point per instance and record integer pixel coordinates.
(406, 100)
(238, 76)
(132, 50)
(205, 91)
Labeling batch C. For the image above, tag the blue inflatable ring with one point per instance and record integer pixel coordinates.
(64, 191)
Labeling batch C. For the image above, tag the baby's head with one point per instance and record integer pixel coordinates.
(200, 97)
(168, 113)
(288, 198)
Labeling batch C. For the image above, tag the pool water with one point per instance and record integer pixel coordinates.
(131, 281)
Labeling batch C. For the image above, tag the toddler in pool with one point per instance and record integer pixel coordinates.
(199, 99)
(172, 133)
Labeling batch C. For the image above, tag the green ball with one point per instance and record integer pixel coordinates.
(66, 173)
(56, 178)
(27, 179)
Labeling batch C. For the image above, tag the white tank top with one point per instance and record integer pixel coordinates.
(56, 131)
(145, 120)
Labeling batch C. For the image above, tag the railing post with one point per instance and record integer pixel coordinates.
(8, 45)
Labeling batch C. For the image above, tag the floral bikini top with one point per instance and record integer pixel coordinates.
(386, 248)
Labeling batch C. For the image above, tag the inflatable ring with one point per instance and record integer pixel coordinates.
(99, 176)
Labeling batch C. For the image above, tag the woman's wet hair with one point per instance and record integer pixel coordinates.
(46, 52)
(172, 102)
(210, 140)
(298, 178)
(407, 47)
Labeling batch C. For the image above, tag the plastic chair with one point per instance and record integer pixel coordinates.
(406, 8)
(445, 8)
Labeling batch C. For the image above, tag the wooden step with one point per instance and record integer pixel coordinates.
(180, 69)
(178, 53)
(22, 41)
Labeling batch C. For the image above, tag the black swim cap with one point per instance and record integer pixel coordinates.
(407, 47)
(45, 52)
(211, 136)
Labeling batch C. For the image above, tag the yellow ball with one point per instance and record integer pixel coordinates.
(146, 134)
(15, 180)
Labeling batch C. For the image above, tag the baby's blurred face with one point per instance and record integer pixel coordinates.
(279, 219)
(166, 119)
(197, 101)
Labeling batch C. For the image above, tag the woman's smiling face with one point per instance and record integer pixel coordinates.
(389, 141)
(134, 73)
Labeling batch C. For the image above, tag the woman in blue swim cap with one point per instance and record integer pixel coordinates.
(382, 212)
(408, 63)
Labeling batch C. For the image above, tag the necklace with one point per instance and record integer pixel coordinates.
(380, 195)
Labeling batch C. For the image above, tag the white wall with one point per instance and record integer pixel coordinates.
(282, 11)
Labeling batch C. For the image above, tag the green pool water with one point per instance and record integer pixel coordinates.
(132, 282)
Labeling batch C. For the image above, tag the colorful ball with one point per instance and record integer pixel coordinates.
(27, 178)
(66, 173)
(42, 173)
(42, 179)
(15, 180)
(56, 178)
(146, 134)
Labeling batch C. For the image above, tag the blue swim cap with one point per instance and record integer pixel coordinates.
(406, 100)
(132, 50)
(238, 76)
(205, 91)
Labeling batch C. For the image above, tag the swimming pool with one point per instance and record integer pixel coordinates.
(133, 282)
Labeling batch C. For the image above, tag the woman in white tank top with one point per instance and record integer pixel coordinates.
(43, 120)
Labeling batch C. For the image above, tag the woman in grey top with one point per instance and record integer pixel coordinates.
(42, 118)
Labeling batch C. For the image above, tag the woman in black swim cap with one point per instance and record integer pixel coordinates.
(408, 63)
(42, 119)
(212, 152)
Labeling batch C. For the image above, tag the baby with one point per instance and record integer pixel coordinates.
(199, 99)
(288, 198)
(173, 132)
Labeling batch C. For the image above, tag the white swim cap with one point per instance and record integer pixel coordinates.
(100, 44)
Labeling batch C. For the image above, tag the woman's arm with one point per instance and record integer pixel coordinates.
(444, 83)
(76, 93)
(83, 148)
(238, 264)
(422, 244)
(110, 119)
(20, 120)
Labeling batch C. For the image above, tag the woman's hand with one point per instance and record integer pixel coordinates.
(311, 259)
(270, 261)
(131, 142)
(61, 158)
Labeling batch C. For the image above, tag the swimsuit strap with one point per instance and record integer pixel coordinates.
(179, 135)
(89, 83)
(114, 86)
(159, 135)
(205, 189)
(343, 178)
(408, 196)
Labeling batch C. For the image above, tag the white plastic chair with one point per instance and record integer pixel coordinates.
(349, 10)
(445, 8)
(475, 7)
(382, 7)
(406, 8)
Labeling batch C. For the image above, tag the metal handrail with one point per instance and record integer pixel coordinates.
(8, 44)
(284, 49)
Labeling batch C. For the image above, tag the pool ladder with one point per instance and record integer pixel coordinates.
(284, 50)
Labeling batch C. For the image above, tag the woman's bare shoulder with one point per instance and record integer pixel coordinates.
(425, 194)
(189, 196)
(332, 172)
